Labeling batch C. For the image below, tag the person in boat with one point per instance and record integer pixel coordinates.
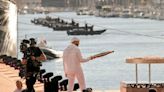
(42, 43)
(62, 21)
(92, 28)
(73, 22)
(77, 24)
(58, 19)
(72, 59)
(86, 26)
(32, 57)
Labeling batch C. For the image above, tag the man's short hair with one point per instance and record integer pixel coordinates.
(32, 41)
(18, 82)
(25, 41)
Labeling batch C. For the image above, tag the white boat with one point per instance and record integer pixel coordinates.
(84, 11)
(126, 13)
(160, 15)
(160, 10)
(49, 52)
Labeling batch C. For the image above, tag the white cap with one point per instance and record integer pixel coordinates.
(75, 39)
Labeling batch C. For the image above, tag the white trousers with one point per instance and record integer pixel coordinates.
(80, 79)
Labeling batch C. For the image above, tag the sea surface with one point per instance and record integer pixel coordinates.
(128, 37)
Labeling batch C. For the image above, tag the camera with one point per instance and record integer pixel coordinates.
(24, 48)
(33, 64)
(28, 54)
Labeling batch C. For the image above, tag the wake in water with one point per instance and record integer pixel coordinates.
(8, 28)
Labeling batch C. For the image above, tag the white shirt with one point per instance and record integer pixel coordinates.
(18, 90)
(72, 58)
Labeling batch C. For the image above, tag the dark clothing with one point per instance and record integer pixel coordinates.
(30, 81)
(32, 67)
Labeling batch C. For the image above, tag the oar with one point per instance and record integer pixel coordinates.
(101, 54)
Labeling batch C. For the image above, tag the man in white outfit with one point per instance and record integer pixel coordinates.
(72, 60)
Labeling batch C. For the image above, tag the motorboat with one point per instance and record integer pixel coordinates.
(49, 52)
(83, 31)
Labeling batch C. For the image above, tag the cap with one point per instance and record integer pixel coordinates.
(25, 41)
(75, 39)
(32, 41)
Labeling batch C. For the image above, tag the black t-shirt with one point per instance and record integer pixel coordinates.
(32, 51)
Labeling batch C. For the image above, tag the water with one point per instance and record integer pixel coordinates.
(106, 72)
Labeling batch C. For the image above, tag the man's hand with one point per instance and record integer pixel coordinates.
(24, 61)
(33, 58)
(112, 51)
(92, 57)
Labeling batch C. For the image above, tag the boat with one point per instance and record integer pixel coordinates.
(49, 52)
(70, 27)
(160, 10)
(63, 27)
(83, 31)
(126, 13)
(8, 28)
(160, 17)
(84, 11)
